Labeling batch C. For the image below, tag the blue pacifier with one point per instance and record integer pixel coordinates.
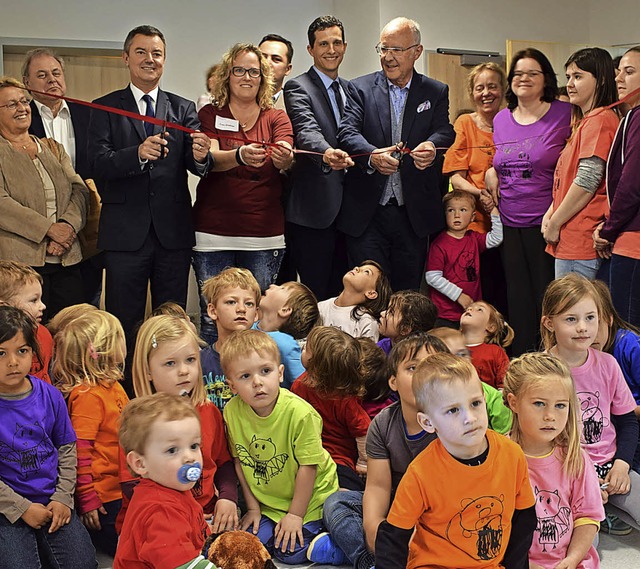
(189, 473)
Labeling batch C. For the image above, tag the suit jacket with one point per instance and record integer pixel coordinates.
(80, 115)
(367, 126)
(316, 193)
(134, 198)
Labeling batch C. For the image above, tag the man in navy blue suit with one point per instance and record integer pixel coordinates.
(145, 223)
(391, 200)
(315, 104)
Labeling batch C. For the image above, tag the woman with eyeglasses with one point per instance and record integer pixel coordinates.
(619, 237)
(529, 136)
(43, 202)
(238, 214)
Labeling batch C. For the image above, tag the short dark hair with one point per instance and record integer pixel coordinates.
(276, 37)
(145, 30)
(323, 23)
(550, 79)
(15, 320)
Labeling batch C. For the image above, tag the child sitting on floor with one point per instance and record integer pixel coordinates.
(164, 527)
(466, 500)
(486, 334)
(287, 313)
(375, 372)
(357, 308)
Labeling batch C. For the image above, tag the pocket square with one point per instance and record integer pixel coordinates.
(424, 106)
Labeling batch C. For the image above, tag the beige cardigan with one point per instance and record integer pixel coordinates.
(23, 208)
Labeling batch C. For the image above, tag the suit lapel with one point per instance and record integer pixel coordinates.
(37, 127)
(163, 109)
(129, 104)
(413, 100)
(315, 79)
(381, 98)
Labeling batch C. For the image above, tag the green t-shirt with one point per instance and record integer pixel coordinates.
(270, 450)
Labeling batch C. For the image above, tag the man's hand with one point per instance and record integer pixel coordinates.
(201, 145)
(383, 162)
(424, 154)
(337, 159)
(153, 147)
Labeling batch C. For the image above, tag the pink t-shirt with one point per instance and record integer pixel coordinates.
(562, 503)
(602, 392)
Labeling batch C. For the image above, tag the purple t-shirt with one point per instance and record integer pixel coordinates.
(31, 432)
(525, 161)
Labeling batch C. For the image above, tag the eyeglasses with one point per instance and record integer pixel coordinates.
(382, 50)
(254, 72)
(522, 74)
(13, 105)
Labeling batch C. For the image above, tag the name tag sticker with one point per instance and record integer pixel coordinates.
(424, 106)
(223, 123)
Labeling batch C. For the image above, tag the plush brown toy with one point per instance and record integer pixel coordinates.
(239, 550)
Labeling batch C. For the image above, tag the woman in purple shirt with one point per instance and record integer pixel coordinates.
(619, 236)
(529, 136)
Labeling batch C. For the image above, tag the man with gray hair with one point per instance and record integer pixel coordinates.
(391, 200)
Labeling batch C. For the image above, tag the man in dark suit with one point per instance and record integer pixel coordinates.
(391, 200)
(145, 223)
(315, 107)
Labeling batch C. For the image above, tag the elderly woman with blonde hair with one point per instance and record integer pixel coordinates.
(43, 202)
(238, 214)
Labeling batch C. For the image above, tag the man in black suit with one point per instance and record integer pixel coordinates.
(391, 200)
(315, 104)
(145, 223)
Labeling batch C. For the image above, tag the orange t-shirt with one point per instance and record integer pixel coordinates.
(461, 514)
(95, 412)
(594, 137)
(45, 343)
(472, 151)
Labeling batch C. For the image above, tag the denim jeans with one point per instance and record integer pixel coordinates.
(263, 264)
(588, 268)
(68, 548)
(299, 554)
(624, 284)
(342, 516)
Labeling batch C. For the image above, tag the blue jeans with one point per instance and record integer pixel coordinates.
(263, 264)
(342, 516)
(588, 268)
(299, 554)
(624, 284)
(68, 548)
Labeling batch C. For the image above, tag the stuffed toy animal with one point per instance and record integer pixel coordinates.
(238, 550)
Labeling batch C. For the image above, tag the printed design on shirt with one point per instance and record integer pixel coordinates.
(218, 392)
(553, 519)
(262, 455)
(593, 420)
(464, 267)
(477, 528)
(517, 168)
(29, 448)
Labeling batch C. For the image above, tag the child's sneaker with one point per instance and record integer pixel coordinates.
(323, 550)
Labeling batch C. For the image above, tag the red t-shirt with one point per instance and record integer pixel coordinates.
(491, 363)
(343, 420)
(164, 528)
(45, 342)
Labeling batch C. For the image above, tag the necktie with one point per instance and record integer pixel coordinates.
(336, 89)
(148, 127)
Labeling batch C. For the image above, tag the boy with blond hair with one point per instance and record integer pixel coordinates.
(275, 439)
(466, 500)
(232, 298)
(21, 286)
(287, 313)
(164, 526)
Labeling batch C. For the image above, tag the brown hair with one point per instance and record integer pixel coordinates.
(374, 306)
(538, 370)
(459, 195)
(417, 312)
(437, 369)
(375, 370)
(14, 276)
(334, 366)
(304, 310)
(499, 332)
(231, 277)
(409, 347)
(243, 342)
(141, 413)
(608, 313)
(37, 52)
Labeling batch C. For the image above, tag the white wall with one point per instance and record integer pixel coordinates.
(614, 23)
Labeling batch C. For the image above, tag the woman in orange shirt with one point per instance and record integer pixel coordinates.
(579, 197)
(468, 160)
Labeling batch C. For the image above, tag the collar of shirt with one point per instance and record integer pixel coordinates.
(326, 80)
(138, 94)
(276, 96)
(47, 113)
(392, 86)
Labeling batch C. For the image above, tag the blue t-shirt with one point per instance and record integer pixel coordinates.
(626, 350)
(215, 384)
(290, 355)
(31, 432)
